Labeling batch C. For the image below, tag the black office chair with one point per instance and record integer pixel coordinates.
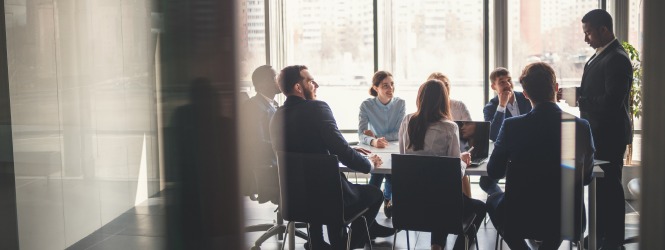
(534, 210)
(427, 196)
(307, 184)
(266, 182)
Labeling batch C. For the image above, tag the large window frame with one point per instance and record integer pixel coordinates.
(494, 26)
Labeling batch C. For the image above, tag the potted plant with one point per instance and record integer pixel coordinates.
(635, 96)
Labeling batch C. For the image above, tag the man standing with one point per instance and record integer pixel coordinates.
(508, 103)
(528, 153)
(603, 101)
(305, 125)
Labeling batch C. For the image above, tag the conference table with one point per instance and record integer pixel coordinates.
(481, 170)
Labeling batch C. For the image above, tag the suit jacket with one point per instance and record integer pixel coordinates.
(258, 175)
(528, 153)
(308, 126)
(603, 97)
(259, 113)
(496, 118)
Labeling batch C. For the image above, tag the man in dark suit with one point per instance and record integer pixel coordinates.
(260, 158)
(508, 103)
(305, 125)
(603, 101)
(528, 152)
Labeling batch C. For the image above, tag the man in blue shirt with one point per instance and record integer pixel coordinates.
(508, 103)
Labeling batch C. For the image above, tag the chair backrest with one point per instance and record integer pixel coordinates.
(310, 188)
(533, 200)
(427, 193)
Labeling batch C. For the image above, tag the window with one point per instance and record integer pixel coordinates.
(549, 31)
(334, 39)
(252, 42)
(435, 36)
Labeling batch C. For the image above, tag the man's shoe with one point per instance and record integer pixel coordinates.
(318, 246)
(388, 208)
(377, 230)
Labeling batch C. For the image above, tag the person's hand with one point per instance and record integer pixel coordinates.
(380, 142)
(376, 160)
(362, 151)
(466, 158)
(504, 97)
(369, 133)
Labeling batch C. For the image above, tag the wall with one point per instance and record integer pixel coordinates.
(82, 90)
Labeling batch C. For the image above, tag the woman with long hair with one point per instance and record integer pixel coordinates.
(378, 124)
(430, 131)
(458, 112)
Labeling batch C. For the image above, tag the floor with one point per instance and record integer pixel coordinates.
(143, 227)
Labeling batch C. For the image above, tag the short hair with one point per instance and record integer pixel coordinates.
(498, 72)
(441, 77)
(539, 82)
(263, 74)
(289, 77)
(376, 81)
(598, 18)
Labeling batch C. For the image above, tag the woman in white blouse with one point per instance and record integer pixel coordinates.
(430, 131)
(459, 112)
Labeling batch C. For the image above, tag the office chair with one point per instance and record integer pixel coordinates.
(307, 184)
(548, 206)
(427, 196)
(267, 189)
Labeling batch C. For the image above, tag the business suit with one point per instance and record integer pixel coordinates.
(257, 112)
(603, 101)
(528, 153)
(496, 119)
(308, 126)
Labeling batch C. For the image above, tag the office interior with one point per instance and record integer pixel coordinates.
(90, 93)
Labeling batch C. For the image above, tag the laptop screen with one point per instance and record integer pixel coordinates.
(474, 134)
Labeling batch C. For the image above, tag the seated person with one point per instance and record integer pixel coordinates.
(378, 124)
(305, 125)
(459, 112)
(507, 103)
(528, 153)
(429, 131)
(256, 113)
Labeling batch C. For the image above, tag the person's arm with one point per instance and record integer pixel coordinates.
(496, 167)
(397, 120)
(402, 135)
(363, 124)
(336, 144)
(454, 149)
(495, 116)
(617, 76)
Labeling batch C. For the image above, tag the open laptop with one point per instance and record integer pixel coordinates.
(477, 135)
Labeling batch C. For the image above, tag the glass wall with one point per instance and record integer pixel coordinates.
(82, 89)
(549, 31)
(334, 39)
(436, 36)
(251, 40)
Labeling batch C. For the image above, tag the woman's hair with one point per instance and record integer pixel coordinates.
(441, 77)
(376, 81)
(433, 104)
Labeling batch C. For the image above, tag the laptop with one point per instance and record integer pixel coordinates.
(477, 135)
